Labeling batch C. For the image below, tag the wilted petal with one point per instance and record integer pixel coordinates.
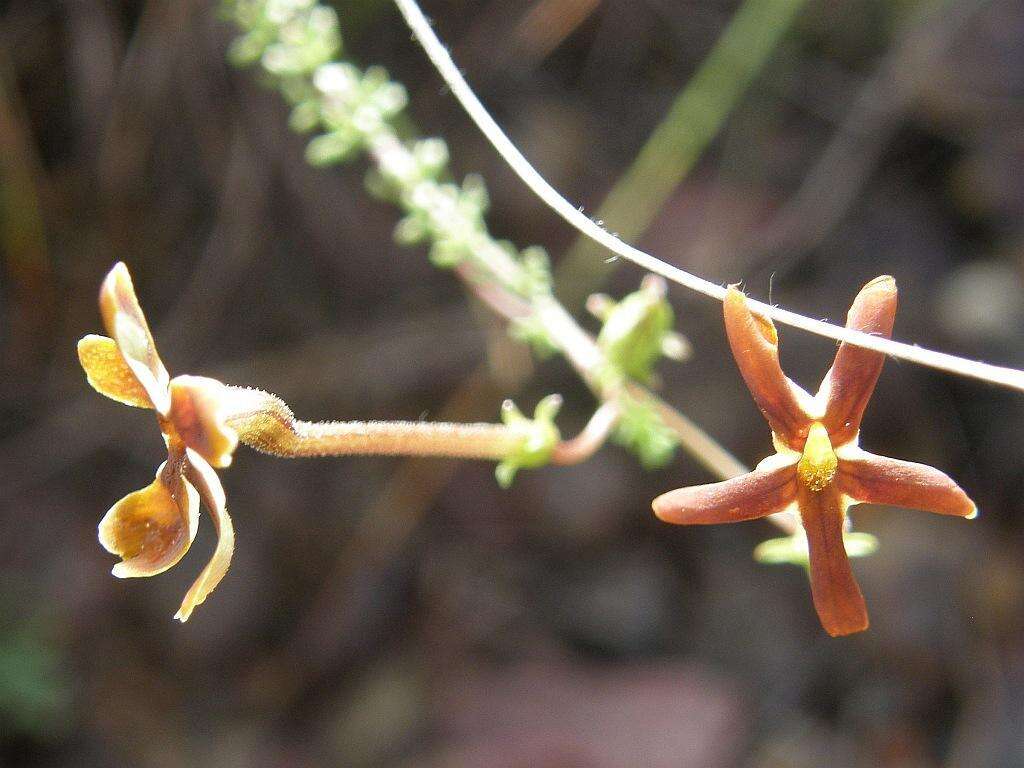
(837, 598)
(755, 345)
(212, 493)
(152, 529)
(198, 412)
(108, 373)
(747, 497)
(125, 322)
(872, 479)
(847, 387)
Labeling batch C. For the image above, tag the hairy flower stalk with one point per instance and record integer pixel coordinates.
(265, 423)
(202, 421)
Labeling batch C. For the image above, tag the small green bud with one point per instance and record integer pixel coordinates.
(537, 266)
(540, 437)
(411, 230)
(305, 116)
(377, 186)
(375, 76)
(336, 79)
(637, 330)
(431, 156)
(248, 48)
(390, 99)
(474, 192)
(323, 20)
(331, 148)
(448, 253)
(600, 305)
(366, 119)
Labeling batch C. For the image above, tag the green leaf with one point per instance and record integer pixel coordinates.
(792, 550)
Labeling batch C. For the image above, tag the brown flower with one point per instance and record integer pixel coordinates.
(818, 470)
(152, 529)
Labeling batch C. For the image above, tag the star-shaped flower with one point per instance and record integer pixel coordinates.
(818, 470)
(152, 529)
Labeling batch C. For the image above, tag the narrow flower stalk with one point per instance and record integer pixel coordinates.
(265, 423)
(594, 435)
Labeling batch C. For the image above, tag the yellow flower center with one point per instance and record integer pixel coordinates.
(817, 465)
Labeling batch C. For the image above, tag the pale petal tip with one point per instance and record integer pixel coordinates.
(87, 340)
(972, 514)
(662, 507)
(882, 282)
(119, 272)
(881, 293)
(222, 460)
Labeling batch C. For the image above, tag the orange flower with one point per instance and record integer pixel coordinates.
(818, 469)
(152, 529)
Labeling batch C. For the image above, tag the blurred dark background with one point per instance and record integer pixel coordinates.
(392, 613)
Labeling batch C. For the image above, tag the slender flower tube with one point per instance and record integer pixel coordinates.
(818, 469)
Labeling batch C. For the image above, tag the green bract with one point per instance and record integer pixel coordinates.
(540, 435)
(792, 550)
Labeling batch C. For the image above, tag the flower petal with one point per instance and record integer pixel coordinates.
(755, 345)
(151, 529)
(848, 385)
(837, 598)
(872, 479)
(747, 497)
(125, 322)
(108, 373)
(198, 412)
(212, 493)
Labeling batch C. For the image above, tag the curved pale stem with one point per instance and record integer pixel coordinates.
(594, 435)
